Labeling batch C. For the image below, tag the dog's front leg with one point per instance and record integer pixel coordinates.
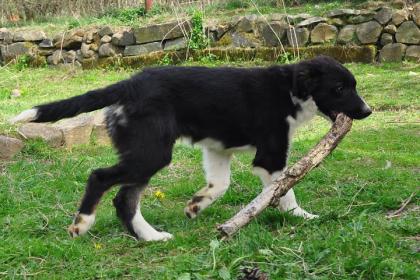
(287, 202)
(217, 168)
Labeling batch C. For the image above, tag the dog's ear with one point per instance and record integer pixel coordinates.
(305, 82)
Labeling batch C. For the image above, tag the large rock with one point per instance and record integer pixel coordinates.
(296, 19)
(9, 147)
(161, 32)
(61, 56)
(311, 21)
(176, 44)
(364, 16)
(392, 52)
(342, 13)
(52, 135)
(5, 34)
(46, 44)
(298, 37)
(272, 34)
(99, 131)
(384, 15)
(347, 34)
(408, 33)
(105, 39)
(92, 36)
(106, 30)
(413, 53)
(124, 38)
(70, 41)
(282, 18)
(416, 14)
(142, 49)
(9, 52)
(368, 32)
(244, 40)
(386, 39)
(399, 17)
(76, 130)
(29, 35)
(390, 28)
(336, 22)
(108, 49)
(86, 51)
(360, 19)
(220, 29)
(246, 23)
(323, 33)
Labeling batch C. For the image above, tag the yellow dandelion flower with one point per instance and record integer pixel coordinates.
(98, 246)
(159, 195)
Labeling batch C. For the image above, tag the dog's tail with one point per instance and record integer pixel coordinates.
(90, 101)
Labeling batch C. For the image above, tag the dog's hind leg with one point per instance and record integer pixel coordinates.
(288, 202)
(99, 182)
(217, 168)
(144, 148)
(127, 205)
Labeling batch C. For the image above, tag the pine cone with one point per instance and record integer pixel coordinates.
(253, 273)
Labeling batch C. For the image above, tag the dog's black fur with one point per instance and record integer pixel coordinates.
(235, 106)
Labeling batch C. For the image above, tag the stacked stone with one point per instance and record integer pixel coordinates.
(76, 46)
(395, 33)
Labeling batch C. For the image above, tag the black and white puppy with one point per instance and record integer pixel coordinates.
(222, 109)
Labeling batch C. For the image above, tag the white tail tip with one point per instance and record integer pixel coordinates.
(25, 116)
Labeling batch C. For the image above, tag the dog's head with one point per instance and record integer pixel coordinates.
(332, 87)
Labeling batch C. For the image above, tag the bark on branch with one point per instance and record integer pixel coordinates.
(270, 195)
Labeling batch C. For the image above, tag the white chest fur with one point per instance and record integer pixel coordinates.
(305, 114)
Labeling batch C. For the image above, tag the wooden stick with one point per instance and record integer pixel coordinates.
(270, 195)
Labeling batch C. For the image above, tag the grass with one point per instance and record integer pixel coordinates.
(224, 10)
(372, 171)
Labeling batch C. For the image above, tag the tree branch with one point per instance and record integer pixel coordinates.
(270, 195)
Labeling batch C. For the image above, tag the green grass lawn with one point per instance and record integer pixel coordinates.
(372, 171)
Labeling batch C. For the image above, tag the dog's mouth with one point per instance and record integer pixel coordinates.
(333, 115)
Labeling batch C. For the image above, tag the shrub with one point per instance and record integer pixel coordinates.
(198, 39)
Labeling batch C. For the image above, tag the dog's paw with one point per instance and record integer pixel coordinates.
(81, 224)
(191, 210)
(158, 236)
(299, 212)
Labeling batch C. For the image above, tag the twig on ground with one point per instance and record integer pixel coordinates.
(404, 204)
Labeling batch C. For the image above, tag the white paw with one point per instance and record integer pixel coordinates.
(196, 205)
(299, 212)
(81, 224)
(158, 236)
(191, 211)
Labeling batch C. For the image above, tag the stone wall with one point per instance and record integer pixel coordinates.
(394, 33)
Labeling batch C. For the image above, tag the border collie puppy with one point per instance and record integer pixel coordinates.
(222, 109)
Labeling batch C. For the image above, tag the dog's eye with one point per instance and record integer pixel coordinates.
(339, 90)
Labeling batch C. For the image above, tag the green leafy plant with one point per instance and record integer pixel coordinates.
(236, 4)
(198, 39)
(126, 15)
(166, 60)
(22, 62)
(74, 23)
(208, 59)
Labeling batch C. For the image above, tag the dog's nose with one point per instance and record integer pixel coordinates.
(366, 111)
